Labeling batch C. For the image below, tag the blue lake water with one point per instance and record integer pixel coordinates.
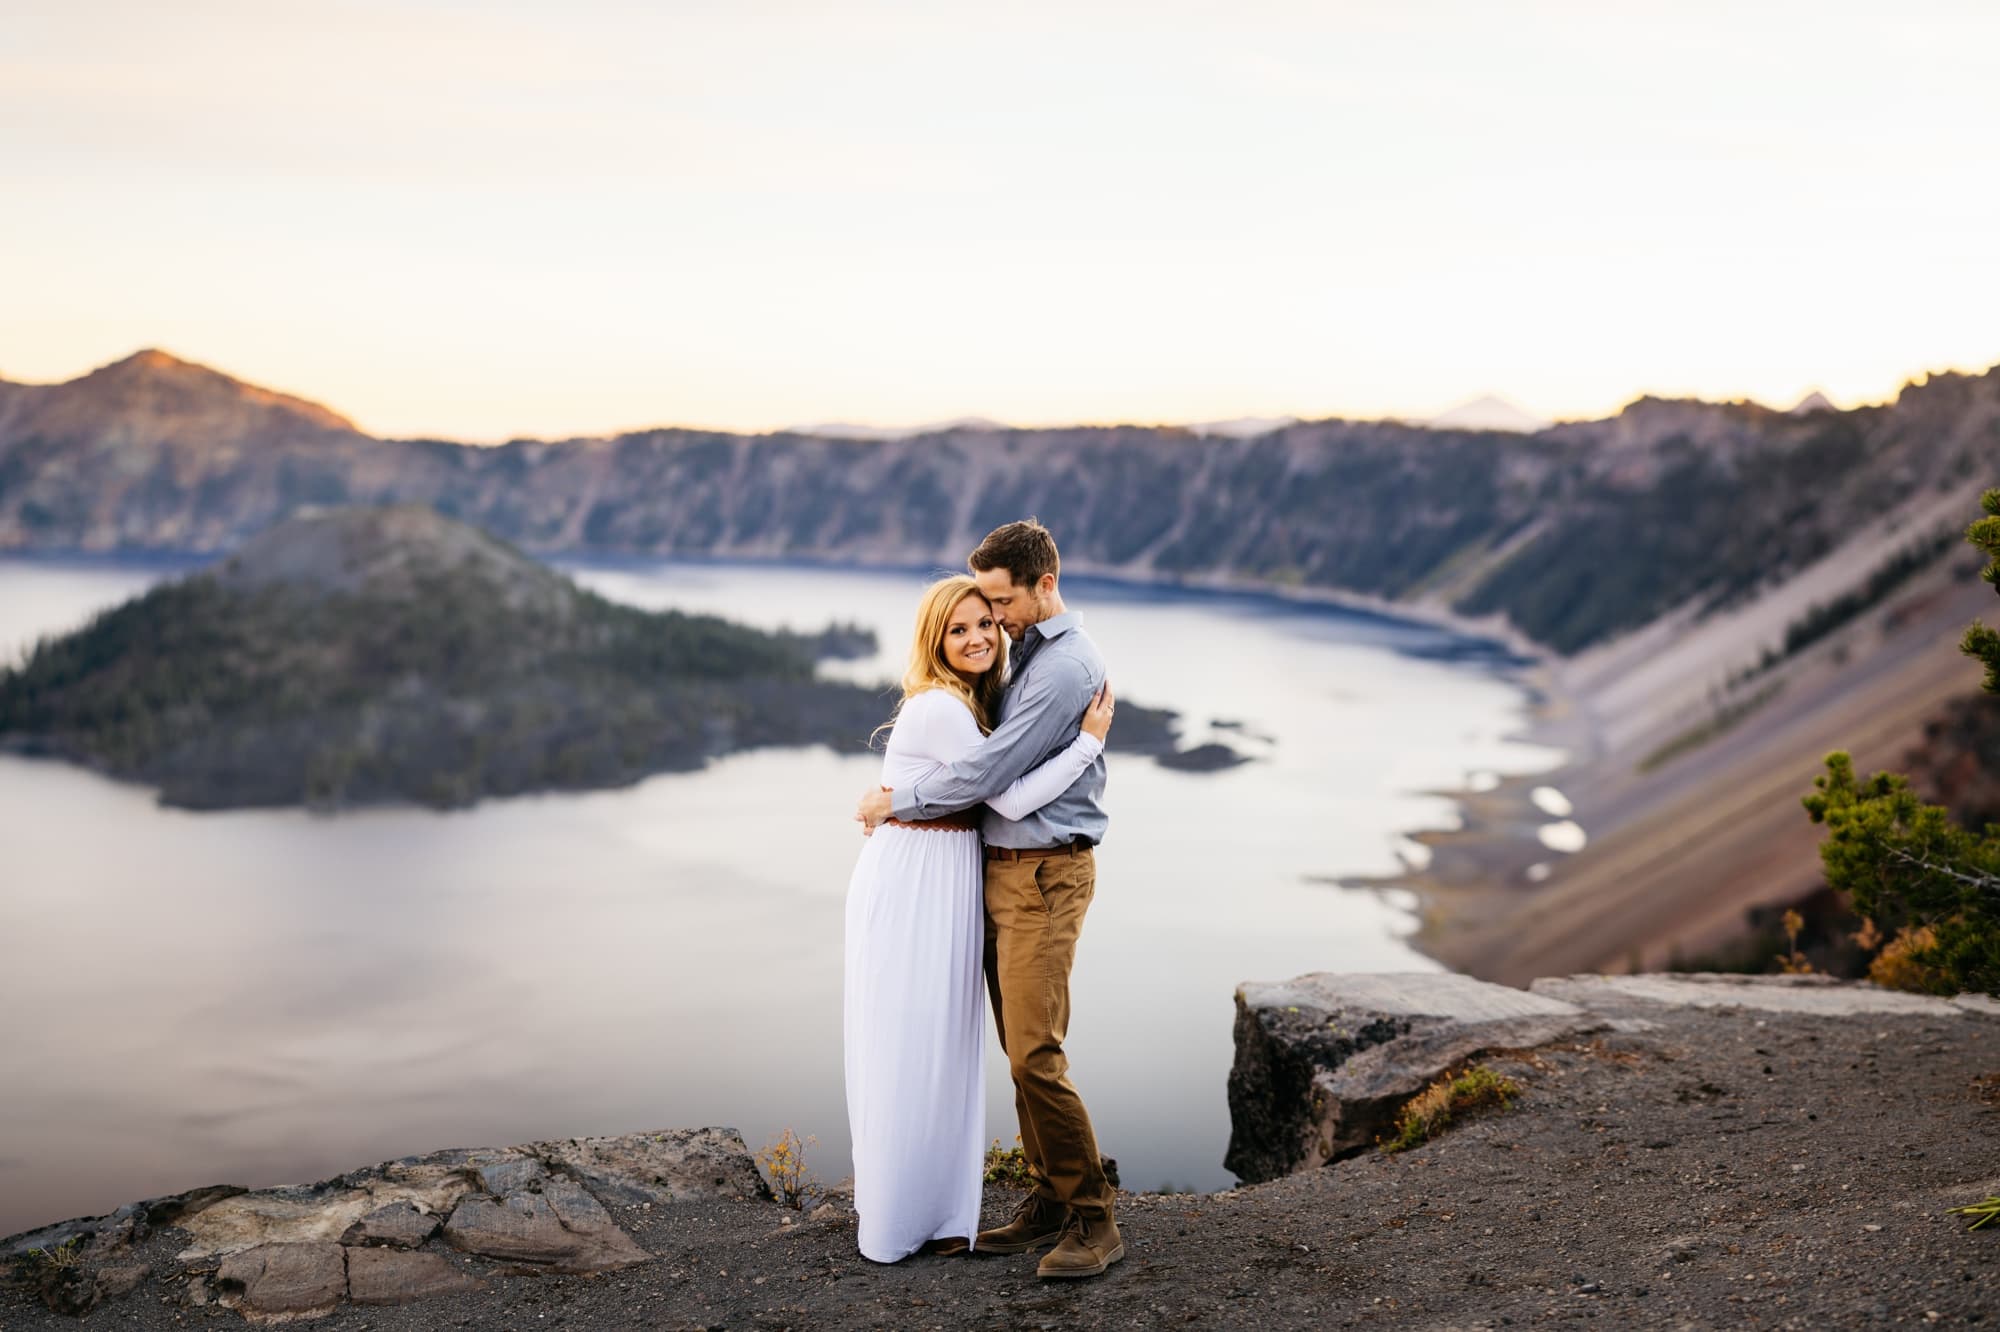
(270, 997)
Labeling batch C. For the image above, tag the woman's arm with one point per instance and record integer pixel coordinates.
(942, 731)
(1040, 785)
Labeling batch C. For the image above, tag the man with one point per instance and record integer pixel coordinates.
(1040, 875)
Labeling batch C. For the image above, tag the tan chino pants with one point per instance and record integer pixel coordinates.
(1034, 913)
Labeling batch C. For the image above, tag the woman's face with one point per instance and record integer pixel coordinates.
(971, 640)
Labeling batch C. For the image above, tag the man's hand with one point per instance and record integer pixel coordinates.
(875, 806)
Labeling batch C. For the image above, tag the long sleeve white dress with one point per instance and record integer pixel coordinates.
(914, 1002)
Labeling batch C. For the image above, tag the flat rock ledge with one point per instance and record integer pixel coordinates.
(1324, 1062)
(404, 1230)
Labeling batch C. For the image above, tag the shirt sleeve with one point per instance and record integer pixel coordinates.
(1043, 784)
(1044, 713)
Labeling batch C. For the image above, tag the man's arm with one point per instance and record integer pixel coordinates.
(1042, 715)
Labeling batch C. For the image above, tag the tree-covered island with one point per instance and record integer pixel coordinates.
(356, 656)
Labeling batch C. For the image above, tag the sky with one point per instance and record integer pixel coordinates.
(498, 219)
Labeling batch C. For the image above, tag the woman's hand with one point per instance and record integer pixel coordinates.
(1097, 717)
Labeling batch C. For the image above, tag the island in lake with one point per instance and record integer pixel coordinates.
(358, 656)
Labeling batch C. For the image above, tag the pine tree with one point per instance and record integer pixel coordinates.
(1981, 640)
(1906, 865)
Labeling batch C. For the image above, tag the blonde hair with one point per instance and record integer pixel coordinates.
(929, 670)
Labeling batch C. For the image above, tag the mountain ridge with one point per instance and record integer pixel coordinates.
(1570, 535)
(162, 384)
(153, 360)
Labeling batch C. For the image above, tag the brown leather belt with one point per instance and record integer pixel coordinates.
(1081, 844)
(963, 821)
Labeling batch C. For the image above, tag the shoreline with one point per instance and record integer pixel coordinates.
(1682, 849)
(1477, 872)
(1521, 653)
(1493, 629)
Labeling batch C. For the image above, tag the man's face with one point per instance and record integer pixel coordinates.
(1015, 607)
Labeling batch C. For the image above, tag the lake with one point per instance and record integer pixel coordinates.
(272, 997)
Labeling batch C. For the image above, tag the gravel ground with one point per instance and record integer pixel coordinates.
(1724, 1169)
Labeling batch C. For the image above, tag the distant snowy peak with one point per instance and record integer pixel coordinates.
(847, 430)
(1813, 402)
(1489, 413)
(1244, 427)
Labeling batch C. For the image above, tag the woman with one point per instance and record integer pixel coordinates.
(914, 1011)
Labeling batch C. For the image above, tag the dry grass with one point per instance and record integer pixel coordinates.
(37, 1264)
(1896, 966)
(1793, 962)
(784, 1161)
(1432, 1110)
(1008, 1165)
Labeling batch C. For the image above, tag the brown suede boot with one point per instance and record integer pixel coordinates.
(1087, 1247)
(1037, 1221)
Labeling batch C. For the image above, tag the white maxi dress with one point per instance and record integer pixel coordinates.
(914, 1010)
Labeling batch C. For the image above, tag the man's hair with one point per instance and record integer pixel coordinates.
(1024, 549)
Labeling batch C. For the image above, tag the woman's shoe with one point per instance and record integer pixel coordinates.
(1037, 1221)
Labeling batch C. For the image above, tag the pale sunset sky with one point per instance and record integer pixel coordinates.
(482, 220)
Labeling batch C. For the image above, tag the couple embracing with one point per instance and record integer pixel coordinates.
(979, 862)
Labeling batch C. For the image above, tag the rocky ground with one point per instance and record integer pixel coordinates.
(1692, 1162)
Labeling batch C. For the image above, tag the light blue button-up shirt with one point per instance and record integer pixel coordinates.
(1056, 672)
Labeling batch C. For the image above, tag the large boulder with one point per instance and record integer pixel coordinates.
(298, 1214)
(295, 1251)
(280, 1282)
(672, 1166)
(399, 1225)
(1325, 1061)
(668, 1165)
(554, 1224)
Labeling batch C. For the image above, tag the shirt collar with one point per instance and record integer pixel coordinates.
(1057, 625)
